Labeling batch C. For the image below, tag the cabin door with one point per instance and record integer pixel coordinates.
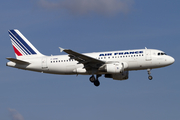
(148, 55)
(44, 64)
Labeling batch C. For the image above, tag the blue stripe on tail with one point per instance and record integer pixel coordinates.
(17, 43)
(23, 45)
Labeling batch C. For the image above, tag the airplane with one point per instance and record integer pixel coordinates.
(111, 64)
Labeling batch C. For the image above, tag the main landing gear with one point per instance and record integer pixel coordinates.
(149, 73)
(95, 80)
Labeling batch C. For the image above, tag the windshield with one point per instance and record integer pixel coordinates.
(161, 53)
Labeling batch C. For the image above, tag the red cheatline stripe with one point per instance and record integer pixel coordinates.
(17, 52)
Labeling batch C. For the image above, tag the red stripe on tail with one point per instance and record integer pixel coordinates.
(17, 52)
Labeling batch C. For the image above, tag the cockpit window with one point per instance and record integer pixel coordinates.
(162, 53)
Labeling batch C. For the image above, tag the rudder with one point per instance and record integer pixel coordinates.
(22, 47)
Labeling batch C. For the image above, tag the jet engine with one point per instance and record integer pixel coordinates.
(113, 68)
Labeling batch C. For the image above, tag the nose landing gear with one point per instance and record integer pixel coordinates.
(149, 73)
(95, 80)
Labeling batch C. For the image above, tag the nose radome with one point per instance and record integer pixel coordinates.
(171, 60)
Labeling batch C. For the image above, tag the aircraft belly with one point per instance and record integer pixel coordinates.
(133, 65)
(139, 64)
(62, 68)
(70, 68)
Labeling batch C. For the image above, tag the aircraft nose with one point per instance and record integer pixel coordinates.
(171, 60)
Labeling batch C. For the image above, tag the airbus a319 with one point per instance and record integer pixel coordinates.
(111, 64)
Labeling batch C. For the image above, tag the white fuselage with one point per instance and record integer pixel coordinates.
(138, 59)
(112, 64)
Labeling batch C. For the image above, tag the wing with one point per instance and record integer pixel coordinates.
(84, 59)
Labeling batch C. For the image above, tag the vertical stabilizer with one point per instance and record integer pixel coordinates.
(22, 47)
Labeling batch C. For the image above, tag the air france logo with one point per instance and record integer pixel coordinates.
(121, 53)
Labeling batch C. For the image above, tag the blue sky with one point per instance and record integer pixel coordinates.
(90, 26)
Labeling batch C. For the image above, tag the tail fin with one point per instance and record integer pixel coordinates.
(22, 47)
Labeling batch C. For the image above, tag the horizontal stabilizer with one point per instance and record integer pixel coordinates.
(18, 61)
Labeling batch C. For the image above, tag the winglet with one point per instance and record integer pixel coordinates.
(61, 49)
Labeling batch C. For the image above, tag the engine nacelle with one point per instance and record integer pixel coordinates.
(113, 68)
(121, 76)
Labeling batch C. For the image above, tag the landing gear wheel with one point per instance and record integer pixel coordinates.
(95, 80)
(96, 83)
(149, 73)
(92, 78)
(150, 77)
